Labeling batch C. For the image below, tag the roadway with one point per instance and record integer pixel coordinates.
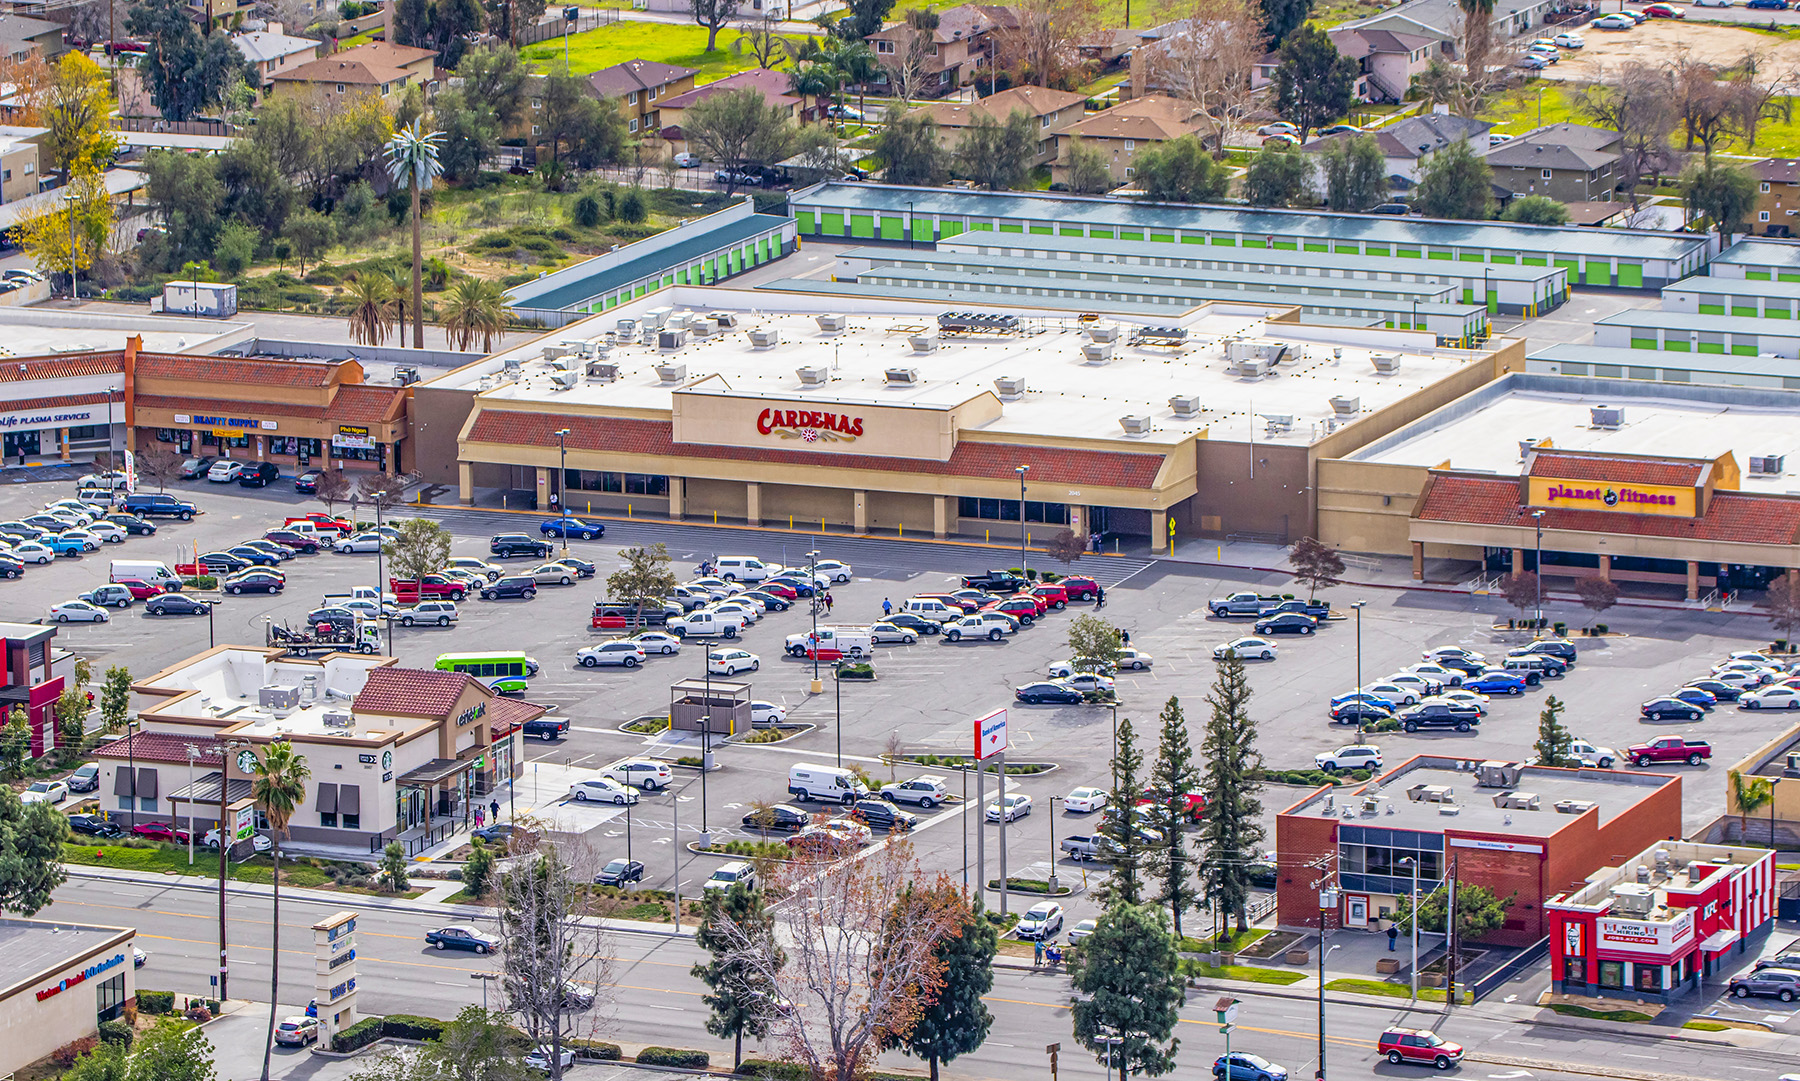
(656, 1001)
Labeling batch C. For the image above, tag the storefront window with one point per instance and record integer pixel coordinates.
(353, 822)
(328, 819)
(1007, 510)
(1612, 974)
(165, 435)
(646, 484)
(1574, 970)
(87, 431)
(109, 997)
(1649, 977)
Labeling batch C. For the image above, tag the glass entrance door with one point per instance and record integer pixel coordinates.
(21, 444)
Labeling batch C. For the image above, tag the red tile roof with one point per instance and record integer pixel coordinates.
(214, 407)
(161, 747)
(1732, 517)
(1597, 467)
(22, 369)
(993, 461)
(229, 370)
(506, 714)
(57, 401)
(364, 403)
(411, 692)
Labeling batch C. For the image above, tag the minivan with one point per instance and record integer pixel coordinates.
(159, 503)
(828, 784)
(259, 474)
(931, 609)
(153, 571)
(745, 568)
(730, 875)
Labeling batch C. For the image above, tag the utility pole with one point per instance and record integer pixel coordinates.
(225, 838)
(1450, 937)
(1327, 902)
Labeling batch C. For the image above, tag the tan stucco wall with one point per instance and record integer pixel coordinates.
(1364, 506)
(30, 1029)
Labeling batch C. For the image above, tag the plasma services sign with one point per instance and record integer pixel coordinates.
(990, 735)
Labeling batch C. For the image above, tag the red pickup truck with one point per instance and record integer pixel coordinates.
(324, 521)
(1669, 749)
(431, 587)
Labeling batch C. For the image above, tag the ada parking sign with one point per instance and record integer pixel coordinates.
(990, 735)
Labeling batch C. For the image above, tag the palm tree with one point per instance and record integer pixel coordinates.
(277, 788)
(371, 307)
(475, 309)
(401, 308)
(413, 162)
(815, 79)
(1750, 796)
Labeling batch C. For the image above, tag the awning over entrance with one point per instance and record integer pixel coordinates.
(205, 790)
(436, 770)
(1719, 941)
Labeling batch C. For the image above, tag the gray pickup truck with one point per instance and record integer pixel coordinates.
(1079, 847)
(1241, 604)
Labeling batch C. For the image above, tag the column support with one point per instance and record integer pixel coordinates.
(465, 483)
(1518, 562)
(940, 517)
(753, 504)
(1605, 568)
(1693, 580)
(1418, 561)
(1159, 531)
(677, 497)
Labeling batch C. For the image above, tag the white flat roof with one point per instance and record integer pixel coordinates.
(1065, 396)
(43, 331)
(1484, 435)
(229, 685)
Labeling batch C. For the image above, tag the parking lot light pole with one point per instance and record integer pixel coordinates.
(1538, 570)
(225, 752)
(813, 584)
(485, 978)
(1050, 820)
(1408, 861)
(1357, 608)
(837, 677)
(1021, 471)
(562, 476)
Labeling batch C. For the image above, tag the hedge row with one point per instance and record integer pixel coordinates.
(155, 1002)
(410, 1027)
(774, 1071)
(593, 1050)
(357, 1036)
(674, 1056)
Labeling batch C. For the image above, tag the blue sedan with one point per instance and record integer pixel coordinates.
(1695, 695)
(1364, 697)
(572, 527)
(1239, 1066)
(1495, 682)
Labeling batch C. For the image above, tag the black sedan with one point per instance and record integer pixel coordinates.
(779, 817)
(11, 568)
(881, 815)
(461, 937)
(913, 621)
(1035, 693)
(341, 619)
(1663, 709)
(582, 566)
(500, 833)
(307, 481)
(1357, 711)
(131, 524)
(619, 872)
(257, 581)
(176, 604)
(224, 562)
(277, 552)
(1718, 688)
(94, 826)
(256, 557)
(1287, 623)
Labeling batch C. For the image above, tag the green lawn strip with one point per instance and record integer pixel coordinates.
(1384, 987)
(173, 860)
(1706, 1026)
(1246, 973)
(1516, 112)
(1231, 941)
(685, 46)
(1571, 1010)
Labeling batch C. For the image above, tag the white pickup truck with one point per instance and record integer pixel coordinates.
(706, 623)
(361, 593)
(832, 642)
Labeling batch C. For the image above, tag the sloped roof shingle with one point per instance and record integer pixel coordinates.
(1617, 470)
(411, 692)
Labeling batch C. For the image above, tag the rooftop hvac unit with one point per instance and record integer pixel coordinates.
(1769, 465)
(1431, 793)
(903, 377)
(1135, 425)
(628, 328)
(1793, 766)
(1574, 806)
(513, 364)
(1497, 774)
(678, 321)
(765, 337)
(658, 317)
(278, 697)
(568, 362)
(1661, 856)
(564, 380)
(1103, 332)
(671, 373)
(602, 371)
(1161, 335)
(1643, 874)
(1097, 353)
(648, 336)
(1185, 405)
(1252, 369)
(923, 343)
(981, 322)
(1279, 422)
(1011, 389)
(723, 320)
(1387, 363)
(831, 324)
(1273, 352)
(1526, 446)
(814, 375)
(1449, 809)
(551, 352)
(671, 339)
(702, 327)
(1606, 417)
(1518, 801)
(1631, 899)
(1696, 872)
(338, 720)
(1345, 406)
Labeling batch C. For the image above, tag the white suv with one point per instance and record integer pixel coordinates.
(730, 875)
(1355, 756)
(618, 651)
(927, 791)
(645, 773)
(442, 613)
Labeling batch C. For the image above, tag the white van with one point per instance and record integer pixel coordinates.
(730, 875)
(745, 569)
(825, 783)
(153, 571)
(930, 609)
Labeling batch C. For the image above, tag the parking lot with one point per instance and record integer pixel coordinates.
(927, 694)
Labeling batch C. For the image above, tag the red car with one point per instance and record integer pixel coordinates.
(1053, 595)
(1420, 1045)
(140, 589)
(324, 521)
(1079, 587)
(786, 593)
(160, 831)
(1022, 608)
(297, 541)
(1193, 804)
(1665, 11)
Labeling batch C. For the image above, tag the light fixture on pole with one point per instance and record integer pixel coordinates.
(562, 477)
(485, 978)
(1021, 471)
(812, 582)
(1358, 607)
(225, 840)
(1538, 570)
(1050, 820)
(1413, 914)
(74, 285)
(193, 752)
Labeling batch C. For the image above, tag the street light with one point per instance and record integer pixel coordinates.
(1357, 608)
(225, 750)
(813, 584)
(1537, 569)
(131, 759)
(1408, 861)
(485, 978)
(74, 286)
(562, 477)
(1050, 820)
(1323, 953)
(837, 677)
(1021, 471)
(1112, 1043)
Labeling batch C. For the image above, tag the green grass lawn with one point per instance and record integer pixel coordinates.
(593, 50)
(1248, 973)
(1332, 12)
(1230, 941)
(172, 860)
(1571, 1010)
(1706, 1026)
(1517, 111)
(1384, 987)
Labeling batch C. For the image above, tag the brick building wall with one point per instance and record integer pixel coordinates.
(1519, 875)
(1299, 840)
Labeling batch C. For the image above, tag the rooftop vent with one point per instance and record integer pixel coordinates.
(1386, 363)
(905, 377)
(1518, 801)
(649, 335)
(1135, 425)
(1431, 793)
(1769, 465)
(602, 371)
(813, 375)
(1574, 806)
(765, 337)
(1103, 332)
(1631, 899)
(1010, 388)
(1526, 446)
(565, 380)
(1345, 406)
(922, 343)
(1696, 872)
(1097, 353)
(1643, 873)
(1161, 336)
(628, 328)
(831, 324)
(1253, 368)
(1606, 417)
(702, 327)
(671, 340)
(1497, 774)
(1186, 406)
(1662, 861)
(1279, 423)
(1449, 809)
(723, 320)
(671, 373)
(658, 317)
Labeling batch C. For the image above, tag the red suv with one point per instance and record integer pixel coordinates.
(1079, 587)
(1419, 1045)
(1053, 595)
(140, 589)
(1022, 608)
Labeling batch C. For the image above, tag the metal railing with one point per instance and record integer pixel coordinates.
(415, 843)
(1527, 957)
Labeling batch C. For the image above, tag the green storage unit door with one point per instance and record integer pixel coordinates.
(1672, 345)
(1499, 258)
(1777, 310)
(1378, 249)
(1225, 241)
(1533, 260)
(1471, 257)
(668, 279)
(1643, 343)
(862, 225)
(1042, 230)
(1712, 347)
(1743, 350)
(1570, 265)
(1069, 230)
(1346, 249)
(832, 224)
(1097, 233)
(1407, 253)
(1012, 228)
(1712, 309)
(1287, 245)
(638, 292)
(922, 231)
(893, 228)
(1599, 272)
(1631, 275)
(1257, 243)
(1316, 246)
(1787, 277)
(1192, 239)
(1743, 312)
(949, 226)
(1440, 255)
(803, 220)
(1131, 234)
(1164, 238)
(1468, 296)
(1757, 275)
(980, 226)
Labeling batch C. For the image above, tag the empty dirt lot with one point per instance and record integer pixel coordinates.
(1661, 40)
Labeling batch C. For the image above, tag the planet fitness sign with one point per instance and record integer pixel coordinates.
(1669, 500)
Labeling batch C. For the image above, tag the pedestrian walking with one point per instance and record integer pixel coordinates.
(1038, 959)
(494, 806)
(1099, 596)
(1393, 936)
(887, 608)
(1124, 638)
(479, 814)
(828, 602)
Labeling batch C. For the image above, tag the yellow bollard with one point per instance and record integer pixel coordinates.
(790, 521)
(715, 517)
(502, 500)
(902, 528)
(628, 510)
(1220, 557)
(590, 504)
(987, 535)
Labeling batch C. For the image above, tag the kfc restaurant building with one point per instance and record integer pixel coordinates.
(1656, 926)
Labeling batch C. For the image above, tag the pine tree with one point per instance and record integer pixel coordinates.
(1129, 982)
(1554, 743)
(1233, 827)
(742, 1001)
(1124, 885)
(1172, 777)
(956, 1022)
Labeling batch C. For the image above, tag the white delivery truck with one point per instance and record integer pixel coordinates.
(153, 571)
(832, 642)
(830, 784)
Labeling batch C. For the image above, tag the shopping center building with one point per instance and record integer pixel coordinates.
(58, 982)
(392, 750)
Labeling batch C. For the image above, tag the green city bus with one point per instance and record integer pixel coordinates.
(505, 673)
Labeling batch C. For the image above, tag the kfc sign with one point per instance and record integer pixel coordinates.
(809, 425)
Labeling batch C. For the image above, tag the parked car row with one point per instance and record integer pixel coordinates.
(1752, 679)
(1451, 687)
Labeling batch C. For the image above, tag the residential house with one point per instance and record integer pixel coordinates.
(274, 50)
(22, 38)
(961, 45)
(1777, 196)
(1107, 47)
(1405, 145)
(1388, 59)
(1442, 20)
(638, 88)
(1571, 163)
(1127, 129)
(378, 68)
(19, 162)
(1053, 110)
(774, 86)
(221, 14)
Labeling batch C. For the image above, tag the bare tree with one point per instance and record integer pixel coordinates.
(760, 37)
(1638, 103)
(1759, 91)
(860, 938)
(1702, 101)
(1208, 62)
(161, 463)
(551, 950)
(1783, 607)
(333, 488)
(1315, 563)
(1041, 45)
(1521, 591)
(1597, 594)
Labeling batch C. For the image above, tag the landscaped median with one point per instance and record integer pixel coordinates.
(1385, 988)
(304, 872)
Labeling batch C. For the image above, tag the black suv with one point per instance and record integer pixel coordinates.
(778, 817)
(259, 474)
(1439, 715)
(519, 544)
(130, 523)
(546, 728)
(520, 585)
(881, 815)
(1554, 647)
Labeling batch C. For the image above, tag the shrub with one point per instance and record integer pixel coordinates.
(689, 760)
(856, 671)
(631, 207)
(200, 581)
(1600, 628)
(117, 1032)
(199, 1014)
(1386, 724)
(155, 1002)
(586, 211)
(593, 1050)
(357, 1036)
(774, 1071)
(66, 1055)
(674, 1056)
(404, 1026)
